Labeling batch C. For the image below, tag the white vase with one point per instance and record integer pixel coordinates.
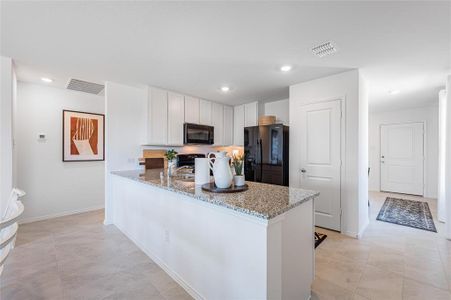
(171, 166)
(238, 180)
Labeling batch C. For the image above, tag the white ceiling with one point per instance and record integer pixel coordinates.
(196, 47)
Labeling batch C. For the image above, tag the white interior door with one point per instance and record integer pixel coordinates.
(402, 159)
(320, 142)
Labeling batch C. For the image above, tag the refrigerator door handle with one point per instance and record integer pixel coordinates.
(261, 160)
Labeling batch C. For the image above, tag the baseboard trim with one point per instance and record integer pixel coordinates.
(357, 235)
(351, 234)
(362, 231)
(174, 275)
(60, 214)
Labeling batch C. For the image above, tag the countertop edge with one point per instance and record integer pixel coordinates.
(247, 212)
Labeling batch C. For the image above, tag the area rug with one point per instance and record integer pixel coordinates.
(409, 213)
(319, 238)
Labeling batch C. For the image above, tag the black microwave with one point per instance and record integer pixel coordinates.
(198, 134)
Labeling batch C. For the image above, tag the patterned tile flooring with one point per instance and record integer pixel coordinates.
(76, 257)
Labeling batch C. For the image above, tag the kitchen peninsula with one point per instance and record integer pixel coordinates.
(256, 244)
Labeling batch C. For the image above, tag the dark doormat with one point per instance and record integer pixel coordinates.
(319, 238)
(409, 213)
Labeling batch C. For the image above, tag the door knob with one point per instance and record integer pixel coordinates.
(303, 170)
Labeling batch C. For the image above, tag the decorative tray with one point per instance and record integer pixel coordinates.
(211, 187)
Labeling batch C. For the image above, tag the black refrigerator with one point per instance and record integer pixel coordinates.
(266, 154)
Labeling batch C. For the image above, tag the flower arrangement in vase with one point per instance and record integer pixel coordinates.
(170, 156)
(238, 161)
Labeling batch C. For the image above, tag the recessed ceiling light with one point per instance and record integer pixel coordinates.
(225, 89)
(46, 79)
(286, 68)
(324, 49)
(393, 92)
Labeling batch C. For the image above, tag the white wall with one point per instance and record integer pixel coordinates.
(53, 187)
(347, 85)
(6, 130)
(441, 194)
(428, 115)
(363, 153)
(125, 132)
(280, 109)
(448, 157)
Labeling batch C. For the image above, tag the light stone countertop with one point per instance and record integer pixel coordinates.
(261, 200)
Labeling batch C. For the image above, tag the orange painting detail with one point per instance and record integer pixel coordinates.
(93, 141)
(73, 126)
(84, 136)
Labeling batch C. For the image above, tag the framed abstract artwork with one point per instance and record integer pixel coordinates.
(83, 136)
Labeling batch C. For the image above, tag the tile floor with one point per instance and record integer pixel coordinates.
(389, 262)
(76, 257)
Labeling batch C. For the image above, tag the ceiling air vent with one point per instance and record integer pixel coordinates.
(324, 49)
(85, 86)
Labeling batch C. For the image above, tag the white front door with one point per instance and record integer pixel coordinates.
(402, 159)
(320, 168)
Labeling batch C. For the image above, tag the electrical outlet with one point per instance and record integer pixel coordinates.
(42, 137)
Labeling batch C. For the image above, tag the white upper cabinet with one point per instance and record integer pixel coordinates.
(176, 111)
(217, 114)
(158, 117)
(251, 114)
(191, 110)
(168, 111)
(228, 125)
(238, 125)
(205, 112)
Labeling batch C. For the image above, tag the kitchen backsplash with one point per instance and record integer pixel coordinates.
(158, 151)
(196, 148)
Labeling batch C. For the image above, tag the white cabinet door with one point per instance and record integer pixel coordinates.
(158, 117)
(217, 113)
(191, 110)
(176, 110)
(251, 114)
(228, 125)
(402, 159)
(318, 141)
(238, 125)
(205, 112)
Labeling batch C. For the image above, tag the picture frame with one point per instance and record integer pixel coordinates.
(83, 136)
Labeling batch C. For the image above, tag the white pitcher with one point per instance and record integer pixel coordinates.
(221, 171)
(218, 154)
